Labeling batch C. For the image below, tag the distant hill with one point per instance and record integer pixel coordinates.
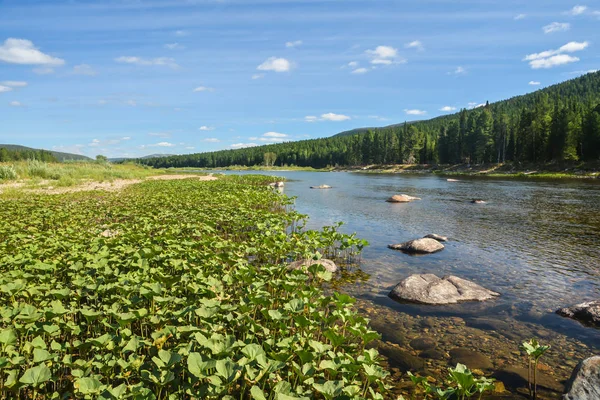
(60, 156)
(121, 159)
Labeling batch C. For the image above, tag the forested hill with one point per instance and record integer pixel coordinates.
(13, 152)
(561, 122)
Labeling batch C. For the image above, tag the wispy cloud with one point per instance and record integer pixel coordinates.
(211, 140)
(552, 58)
(206, 128)
(414, 112)
(556, 27)
(22, 51)
(535, 83)
(159, 61)
(384, 55)
(275, 64)
(327, 117)
(448, 109)
(4, 89)
(458, 71)
(43, 71)
(15, 104)
(162, 144)
(174, 46)
(84, 69)
(160, 134)
(181, 33)
(577, 10)
(203, 89)
(360, 71)
(295, 43)
(520, 16)
(242, 145)
(415, 44)
(258, 76)
(14, 84)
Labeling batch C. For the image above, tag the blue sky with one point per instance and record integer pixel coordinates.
(137, 77)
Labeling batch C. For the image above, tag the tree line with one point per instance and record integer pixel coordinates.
(558, 123)
(29, 154)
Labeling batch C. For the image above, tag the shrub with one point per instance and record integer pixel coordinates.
(8, 172)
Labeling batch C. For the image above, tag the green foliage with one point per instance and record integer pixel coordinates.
(534, 351)
(187, 296)
(8, 172)
(561, 122)
(461, 385)
(16, 153)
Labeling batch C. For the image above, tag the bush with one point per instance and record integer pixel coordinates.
(41, 169)
(8, 172)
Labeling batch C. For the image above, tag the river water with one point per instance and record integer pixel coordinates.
(535, 242)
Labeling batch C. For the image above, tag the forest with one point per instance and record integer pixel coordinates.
(11, 154)
(558, 123)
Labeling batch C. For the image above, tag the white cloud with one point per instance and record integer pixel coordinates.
(560, 59)
(275, 64)
(556, 27)
(577, 10)
(448, 109)
(275, 135)
(162, 144)
(174, 46)
(94, 143)
(520, 16)
(583, 72)
(15, 104)
(534, 83)
(258, 76)
(415, 44)
(384, 55)
(475, 105)
(206, 128)
(360, 71)
(242, 145)
(22, 51)
(415, 112)
(211, 140)
(159, 61)
(14, 84)
(311, 118)
(295, 43)
(552, 58)
(160, 134)
(43, 71)
(203, 89)
(334, 117)
(126, 138)
(181, 33)
(4, 89)
(84, 69)
(353, 64)
(459, 71)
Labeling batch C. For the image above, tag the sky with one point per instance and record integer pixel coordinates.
(128, 78)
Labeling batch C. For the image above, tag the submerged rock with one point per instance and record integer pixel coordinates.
(401, 198)
(303, 264)
(422, 343)
(585, 381)
(470, 358)
(321, 187)
(516, 377)
(437, 237)
(401, 359)
(588, 312)
(430, 289)
(423, 245)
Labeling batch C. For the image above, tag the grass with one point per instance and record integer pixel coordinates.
(33, 172)
(175, 290)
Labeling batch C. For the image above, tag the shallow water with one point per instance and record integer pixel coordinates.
(535, 242)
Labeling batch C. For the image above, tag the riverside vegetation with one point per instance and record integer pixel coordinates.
(173, 290)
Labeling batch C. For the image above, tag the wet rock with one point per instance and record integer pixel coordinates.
(429, 289)
(452, 180)
(422, 246)
(587, 313)
(389, 332)
(585, 381)
(422, 344)
(432, 354)
(478, 201)
(401, 359)
(401, 198)
(470, 358)
(437, 237)
(277, 184)
(304, 264)
(321, 187)
(516, 377)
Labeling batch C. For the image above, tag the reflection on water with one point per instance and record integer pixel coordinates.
(535, 242)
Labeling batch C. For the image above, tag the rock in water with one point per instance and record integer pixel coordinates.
(277, 184)
(321, 187)
(585, 381)
(452, 180)
(430, 289)
(424, 246)
(478, 201)
(303, 264)
(401, 198)
(437, 237)
(588, 312)
(470, 358)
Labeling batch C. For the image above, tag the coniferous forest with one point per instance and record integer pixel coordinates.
(558, 123)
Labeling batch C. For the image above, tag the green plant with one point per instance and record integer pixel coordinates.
(8, 172)
(534, 352)
(461, 385)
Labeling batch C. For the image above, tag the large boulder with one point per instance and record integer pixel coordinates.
(423, 246)
(321, 187)
(401, 198)
(430, 289)
(437, 237)
(304, 264)
(585, 381)
(588, 312)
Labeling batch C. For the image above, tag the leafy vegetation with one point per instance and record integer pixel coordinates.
(558, 123)
(461, 385)
(534, 351)
(175, 290)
